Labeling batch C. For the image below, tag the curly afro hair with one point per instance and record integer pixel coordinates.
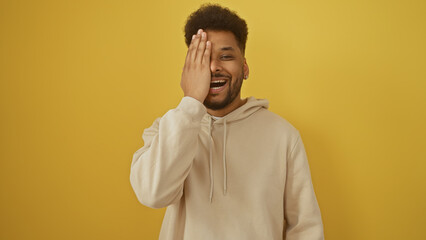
(216, 17)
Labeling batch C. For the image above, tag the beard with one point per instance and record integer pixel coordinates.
(234, 89)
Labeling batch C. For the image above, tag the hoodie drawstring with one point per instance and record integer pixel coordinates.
(210, 160)
(224, 157)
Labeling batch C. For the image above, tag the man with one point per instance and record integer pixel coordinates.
(225, 167)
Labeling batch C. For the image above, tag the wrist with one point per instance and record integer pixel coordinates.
(193, 107)
(195, 96)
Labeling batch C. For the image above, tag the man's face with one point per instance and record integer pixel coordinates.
(228, 68)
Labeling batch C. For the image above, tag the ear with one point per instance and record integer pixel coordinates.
(245, 69)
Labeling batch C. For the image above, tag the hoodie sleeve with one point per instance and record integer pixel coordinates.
(160, 167)
(301, 210)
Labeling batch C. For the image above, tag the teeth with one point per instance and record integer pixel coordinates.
(218, 81)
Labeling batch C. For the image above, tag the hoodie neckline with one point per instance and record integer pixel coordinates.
(251, 106)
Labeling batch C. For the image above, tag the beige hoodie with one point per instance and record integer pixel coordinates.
(244, 176)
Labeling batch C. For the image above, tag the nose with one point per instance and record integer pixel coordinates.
(215, 66)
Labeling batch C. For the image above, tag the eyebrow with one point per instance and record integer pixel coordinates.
(227, 48)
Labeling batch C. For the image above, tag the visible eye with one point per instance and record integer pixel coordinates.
(226, 57)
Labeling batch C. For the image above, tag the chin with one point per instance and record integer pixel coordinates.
(217, 102)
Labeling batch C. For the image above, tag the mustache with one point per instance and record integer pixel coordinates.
(219, 75)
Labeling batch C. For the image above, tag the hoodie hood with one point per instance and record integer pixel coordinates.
(251, 106)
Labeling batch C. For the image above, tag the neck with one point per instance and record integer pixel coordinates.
(238, 102)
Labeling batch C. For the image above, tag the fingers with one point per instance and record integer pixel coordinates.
(207, 52)
(201, 47)
(192, 50)
(188, 53)
(197, 48)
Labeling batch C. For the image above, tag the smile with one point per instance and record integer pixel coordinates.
(217, 83)
(217, 86)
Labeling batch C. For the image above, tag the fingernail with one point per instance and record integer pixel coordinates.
(203, 35)
(199, 31)
(193, 36)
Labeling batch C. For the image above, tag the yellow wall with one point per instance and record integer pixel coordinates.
(80, 80)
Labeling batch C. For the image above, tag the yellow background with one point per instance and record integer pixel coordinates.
(80, 80)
